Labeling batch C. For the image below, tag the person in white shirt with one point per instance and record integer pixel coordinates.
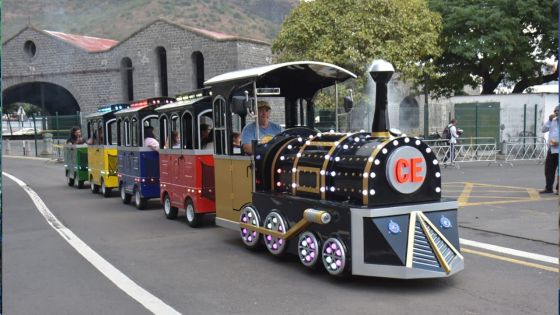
(453, 136)
(149, 138)
(551, 162)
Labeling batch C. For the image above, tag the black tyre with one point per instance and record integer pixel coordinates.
(193, 218)
(170, 211)
(94, 188)
(70, 181)
(80, 184)
(124, 196)
(106, 192)
(139, 200)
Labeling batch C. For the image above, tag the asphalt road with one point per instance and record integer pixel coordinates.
(208, 271)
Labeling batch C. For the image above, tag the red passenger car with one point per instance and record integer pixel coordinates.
(186, 159)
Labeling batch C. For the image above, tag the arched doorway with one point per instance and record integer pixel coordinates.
(51, 98)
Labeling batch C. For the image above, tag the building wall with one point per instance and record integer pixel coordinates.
(95, 79)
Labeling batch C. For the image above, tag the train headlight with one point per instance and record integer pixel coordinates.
(445, 222)
(394, 227)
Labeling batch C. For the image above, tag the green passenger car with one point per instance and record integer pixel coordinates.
(76, 164)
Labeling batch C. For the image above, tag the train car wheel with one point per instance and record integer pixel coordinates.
(308, 249)
(94, 188)
(275, 222)
(334, 256)
(139, 200)
(80, 184)
(170, 211)
(193, 218)
(70, 181)
(124, 196)
(106, 192)
(250, 238)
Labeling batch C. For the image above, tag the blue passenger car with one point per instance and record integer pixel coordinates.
(138, 163)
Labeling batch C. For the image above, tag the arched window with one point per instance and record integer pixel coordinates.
(409, 114)
(162, 70)
(198, 67)
(126, 78)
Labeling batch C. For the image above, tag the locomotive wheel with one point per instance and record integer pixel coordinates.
(250, 238)
(308, 249)
(275, 222)
(193, 218)
(106, 192)
(94, 188)
(70, 181)
(124, 196)
(139, 200)
(334, 256)
(170, 211)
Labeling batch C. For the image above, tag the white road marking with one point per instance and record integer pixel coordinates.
(510, 251)
(149, 301)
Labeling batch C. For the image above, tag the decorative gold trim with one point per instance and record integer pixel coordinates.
(433, 244)
(411, 231)
(365, 180)
(322, 143)
(295, 166)
(441, 235)
(293, 231)
(273, 170)
(326, 162)
(381, 134)
(309, 170)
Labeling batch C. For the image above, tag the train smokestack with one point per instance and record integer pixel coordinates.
(381, 72)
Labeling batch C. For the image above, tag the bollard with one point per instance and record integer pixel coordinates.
(8, 146)
(47, 144)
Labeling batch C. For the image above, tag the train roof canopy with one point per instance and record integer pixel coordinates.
(182, 103)
(293, 78)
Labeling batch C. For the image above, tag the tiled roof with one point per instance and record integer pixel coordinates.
(88, 43)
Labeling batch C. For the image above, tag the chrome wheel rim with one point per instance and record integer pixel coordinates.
(275, 222)
(308, 249)
(123, 193)
(334, 256)
(249, 216)
(190, 212)
(167, 205)
(137, 197)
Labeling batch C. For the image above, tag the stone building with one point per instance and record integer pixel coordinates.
(66, 73)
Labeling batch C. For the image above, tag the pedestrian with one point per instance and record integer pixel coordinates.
(551, 162)
(453, 136)
(75, 136)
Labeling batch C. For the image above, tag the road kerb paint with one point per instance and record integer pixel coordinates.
(510, 251)
(511, 260)
(127, 285)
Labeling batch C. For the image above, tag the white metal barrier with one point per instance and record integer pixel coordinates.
(482, 149)
(525, 148)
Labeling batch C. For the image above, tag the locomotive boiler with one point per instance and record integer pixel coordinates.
(355, 203)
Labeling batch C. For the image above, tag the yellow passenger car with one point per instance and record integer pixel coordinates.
(102, 149)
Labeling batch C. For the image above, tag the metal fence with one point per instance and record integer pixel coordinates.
(481, 149)
(525, 148)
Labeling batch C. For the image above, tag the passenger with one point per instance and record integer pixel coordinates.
(236, 142)
(175, 140)
(75, 136)
(149, 138)
(266, 128)
(93, 139)
(206, 139)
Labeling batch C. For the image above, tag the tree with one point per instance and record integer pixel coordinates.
(492, 42)
(352, 33)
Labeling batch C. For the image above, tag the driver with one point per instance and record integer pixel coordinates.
(266, 127)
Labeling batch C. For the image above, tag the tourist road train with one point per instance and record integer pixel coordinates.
(362, 203)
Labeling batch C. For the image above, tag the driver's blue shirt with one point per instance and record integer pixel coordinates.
(249, 133)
